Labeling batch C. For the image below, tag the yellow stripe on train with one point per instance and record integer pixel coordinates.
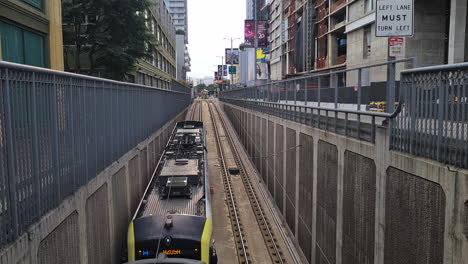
(131, 242)
(206, 241)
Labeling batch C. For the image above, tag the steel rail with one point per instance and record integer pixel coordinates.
(273, 248)
(289, 244)
(234, 216)
(200, 112)
(193, 110)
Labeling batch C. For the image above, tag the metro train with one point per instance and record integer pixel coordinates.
(173, 220)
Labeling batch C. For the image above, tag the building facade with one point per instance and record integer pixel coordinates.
(159, 70)
(440, 36)
(31, 32)
(182, 58)
(178, 11)
(277, 38)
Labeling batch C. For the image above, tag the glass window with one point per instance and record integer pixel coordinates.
(36, 3)
(33, 49)
(12, 43)
(368, 5)
(367, 41)
(21, 46)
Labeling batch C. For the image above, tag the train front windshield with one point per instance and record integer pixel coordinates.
(181, 236)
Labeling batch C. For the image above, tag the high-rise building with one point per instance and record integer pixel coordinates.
(31, 33)
(159, 70)
(178, 12)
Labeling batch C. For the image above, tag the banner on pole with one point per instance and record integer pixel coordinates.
(232, 58)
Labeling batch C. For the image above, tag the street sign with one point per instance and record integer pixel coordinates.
(232, 69)
(395, 18)
(396, 46)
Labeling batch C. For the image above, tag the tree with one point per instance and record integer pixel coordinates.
(211, 87)
(115, 38)
(200, 87)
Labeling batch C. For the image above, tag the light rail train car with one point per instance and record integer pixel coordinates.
(173, 219)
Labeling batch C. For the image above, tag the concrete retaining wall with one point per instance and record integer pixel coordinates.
(90, 226)
(348, 201)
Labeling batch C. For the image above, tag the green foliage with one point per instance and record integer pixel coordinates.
(116, 38)
(211, 87)
(200, 87)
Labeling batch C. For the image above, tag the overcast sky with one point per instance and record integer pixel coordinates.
(209, 22)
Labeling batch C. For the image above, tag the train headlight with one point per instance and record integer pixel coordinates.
(167, 241)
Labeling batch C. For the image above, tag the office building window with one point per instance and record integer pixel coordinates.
(21, 46)
(368, 5)
(36, 3)
(367, 41)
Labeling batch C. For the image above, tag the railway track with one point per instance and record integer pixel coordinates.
(241, 245)
(195, 112)
(274, 250)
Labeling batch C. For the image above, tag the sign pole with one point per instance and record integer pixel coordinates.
(232, 61)
(255, 41)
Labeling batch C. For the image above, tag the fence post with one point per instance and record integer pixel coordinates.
(72, 126)
(359, 92)
(318, 92)
(391, 87)
(413, 114)
(440, 117)
(305, 91)
(55, 134)
(295, 92)
(335, 83)
(10, 150)
(35, 145)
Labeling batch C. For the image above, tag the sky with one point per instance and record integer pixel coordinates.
(209, 21)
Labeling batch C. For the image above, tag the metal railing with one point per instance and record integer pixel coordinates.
(434, 118)
(336, 101)
(59, 130)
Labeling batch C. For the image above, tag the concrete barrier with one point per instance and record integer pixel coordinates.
(90, 226)
(348, 201)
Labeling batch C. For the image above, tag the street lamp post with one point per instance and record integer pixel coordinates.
(222, 70)
(232, 53)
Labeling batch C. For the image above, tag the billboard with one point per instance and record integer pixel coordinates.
(261, 56)
(262, 71)
(232, 58)
(262, 33)
(249, 33)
